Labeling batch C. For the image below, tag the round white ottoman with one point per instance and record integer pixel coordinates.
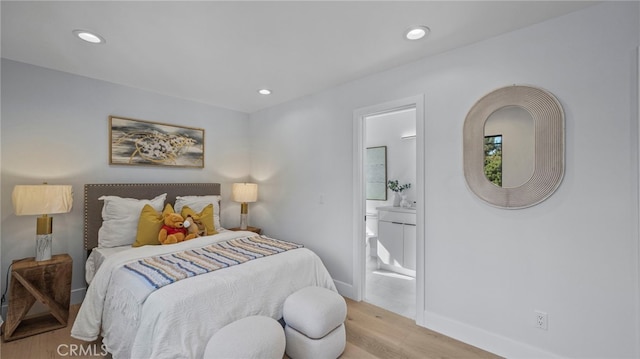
(251, 337)
(314, 318)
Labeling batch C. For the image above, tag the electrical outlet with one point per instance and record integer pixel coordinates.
(541, 320)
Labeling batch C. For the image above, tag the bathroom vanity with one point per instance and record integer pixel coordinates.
(396, 246)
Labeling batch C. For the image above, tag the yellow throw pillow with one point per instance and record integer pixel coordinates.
(206, 216)
(149, 225)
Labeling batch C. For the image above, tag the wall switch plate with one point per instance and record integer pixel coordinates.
(541, 320)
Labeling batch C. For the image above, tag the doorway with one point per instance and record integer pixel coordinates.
(413, 106)
(390, 238)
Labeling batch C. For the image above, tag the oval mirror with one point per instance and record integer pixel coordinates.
(514, 146)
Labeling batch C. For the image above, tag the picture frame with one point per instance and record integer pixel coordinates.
(135, 142)
(376, 173)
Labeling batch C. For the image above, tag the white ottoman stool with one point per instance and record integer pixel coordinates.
(314, 318)
(251, 337)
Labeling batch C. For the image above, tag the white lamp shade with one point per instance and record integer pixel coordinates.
(42, 199)
(245, 192)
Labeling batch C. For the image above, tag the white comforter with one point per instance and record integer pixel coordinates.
(177, 320)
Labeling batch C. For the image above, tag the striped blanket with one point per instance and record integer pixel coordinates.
(162, 270)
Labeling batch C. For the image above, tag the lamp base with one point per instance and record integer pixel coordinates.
(243, 221)
(43, 247)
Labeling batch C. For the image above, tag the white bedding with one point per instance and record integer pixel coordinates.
(176, 321)
(95, 259)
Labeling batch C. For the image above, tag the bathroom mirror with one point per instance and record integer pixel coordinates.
(514, 146)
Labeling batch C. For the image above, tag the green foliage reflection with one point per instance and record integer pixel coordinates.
(493, 159)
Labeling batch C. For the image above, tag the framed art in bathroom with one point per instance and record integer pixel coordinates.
(376, 173)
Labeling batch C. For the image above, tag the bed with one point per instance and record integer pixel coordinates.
(138, 320)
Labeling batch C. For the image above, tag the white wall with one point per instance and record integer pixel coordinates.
(574, 256)
(55, 129)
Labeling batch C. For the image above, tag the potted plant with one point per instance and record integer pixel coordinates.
(397, 189)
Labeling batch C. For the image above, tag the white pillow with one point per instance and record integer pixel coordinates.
(120, 219)
(197, 204)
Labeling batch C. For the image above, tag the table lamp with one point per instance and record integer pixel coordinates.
(42, 200)
(244, 193)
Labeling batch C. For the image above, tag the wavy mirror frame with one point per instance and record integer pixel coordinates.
(548, 118)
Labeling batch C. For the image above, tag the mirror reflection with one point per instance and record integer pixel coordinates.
(493, 159)
(509, 145)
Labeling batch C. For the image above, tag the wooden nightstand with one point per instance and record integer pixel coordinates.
(249, 228)
(47, 281)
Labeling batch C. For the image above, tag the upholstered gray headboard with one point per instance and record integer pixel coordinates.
(93, 206)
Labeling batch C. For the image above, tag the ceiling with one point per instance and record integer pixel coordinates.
(221, 53)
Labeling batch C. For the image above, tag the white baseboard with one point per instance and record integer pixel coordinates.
(77, 295)
(345, 290)
(483, 339)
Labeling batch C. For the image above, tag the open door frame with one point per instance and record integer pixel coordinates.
(359, 197)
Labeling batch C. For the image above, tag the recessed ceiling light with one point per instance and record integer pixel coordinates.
(264, 92)
(416, 32)
(89, 36)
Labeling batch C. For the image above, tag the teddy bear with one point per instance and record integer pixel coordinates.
(173, 230)
(194, 226)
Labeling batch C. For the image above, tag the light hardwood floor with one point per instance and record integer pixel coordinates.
(372, 332)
